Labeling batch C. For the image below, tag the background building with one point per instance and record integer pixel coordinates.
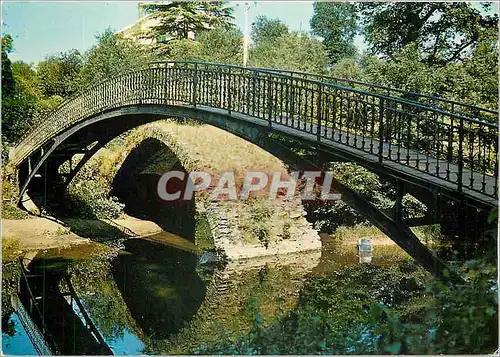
(145, 22)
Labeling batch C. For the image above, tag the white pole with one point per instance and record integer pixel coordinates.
(245, 37)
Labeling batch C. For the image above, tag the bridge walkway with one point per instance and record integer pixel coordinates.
(416, 166)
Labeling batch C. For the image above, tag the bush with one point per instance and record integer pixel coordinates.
(257, 224)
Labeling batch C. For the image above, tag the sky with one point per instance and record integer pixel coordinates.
(44, 28)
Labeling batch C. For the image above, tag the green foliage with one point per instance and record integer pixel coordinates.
(89, 204)
(462, 319)
(405, 71)
(18, 114)
(10, 211)
(24, 104)
(329, 317)
(443, 32)
(89, 195)
(358, 178)
(257, 225)
(265, 30)
(92, 280)
(7, 76)
(412, 207)
(57, 73)
(111, 55)
(26, 78)
(180, 50)
(336, 23)
(10, 277)
(294, 51)
(373, 310)
(328, 216)
(347, 68)
(216, 45)
(18, 98)
(179, 19)
(473, 81)
(203, 235)
(221, 45)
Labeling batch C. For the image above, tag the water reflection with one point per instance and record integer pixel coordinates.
(46, 311)
(160, 286)
(156, 299)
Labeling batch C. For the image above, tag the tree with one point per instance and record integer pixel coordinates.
(444, 31)
(219, 45)
(179, 19)
(7, 77)
(475, 81)
(19, 94)
(405, 71)
(111, 55)
(265, 30)
(295, 51)
(336, 23)
(26, 78)
(19, 107)
(58, 72)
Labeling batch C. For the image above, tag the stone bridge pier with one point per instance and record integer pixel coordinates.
(149, 151)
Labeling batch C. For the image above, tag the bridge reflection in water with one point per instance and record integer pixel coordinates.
(59, 323)
(156, 295)
(154, 298)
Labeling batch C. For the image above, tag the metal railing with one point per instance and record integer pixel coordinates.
(41, 338)
(34, 334)
(450, 145)
(473, 111)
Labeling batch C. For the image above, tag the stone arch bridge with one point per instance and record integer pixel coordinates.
(444, 153)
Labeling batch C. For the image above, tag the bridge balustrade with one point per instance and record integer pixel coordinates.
(450, 141)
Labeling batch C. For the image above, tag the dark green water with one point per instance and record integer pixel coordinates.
(152, 298)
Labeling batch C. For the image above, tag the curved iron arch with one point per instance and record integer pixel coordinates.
(446, 148)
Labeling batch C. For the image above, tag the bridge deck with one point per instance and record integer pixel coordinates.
(454, 152)
(352, 146)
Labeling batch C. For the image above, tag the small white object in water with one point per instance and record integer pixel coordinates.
(365, 245)
(365, 250)
(365, 258)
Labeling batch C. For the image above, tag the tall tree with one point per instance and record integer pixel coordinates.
(293, 51)
(177, 19)
(265, 30)
(7, 77)
(111, 55)
(444, 31)
(336, 23)
(219, 45)
(19, 108)
(58, 72)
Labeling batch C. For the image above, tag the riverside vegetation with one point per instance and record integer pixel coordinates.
(361, 309)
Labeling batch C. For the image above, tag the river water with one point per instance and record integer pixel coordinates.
(154, 298)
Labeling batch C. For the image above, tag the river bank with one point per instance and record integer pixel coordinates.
(40, 233)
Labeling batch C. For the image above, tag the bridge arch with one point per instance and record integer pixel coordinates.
(100, 129)
(442, 152)
(447, 146)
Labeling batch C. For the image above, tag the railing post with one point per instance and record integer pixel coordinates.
(318, 114)
(269, 100)
(195, 84)
(381, 131)
(460, 154)
(229, 92)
